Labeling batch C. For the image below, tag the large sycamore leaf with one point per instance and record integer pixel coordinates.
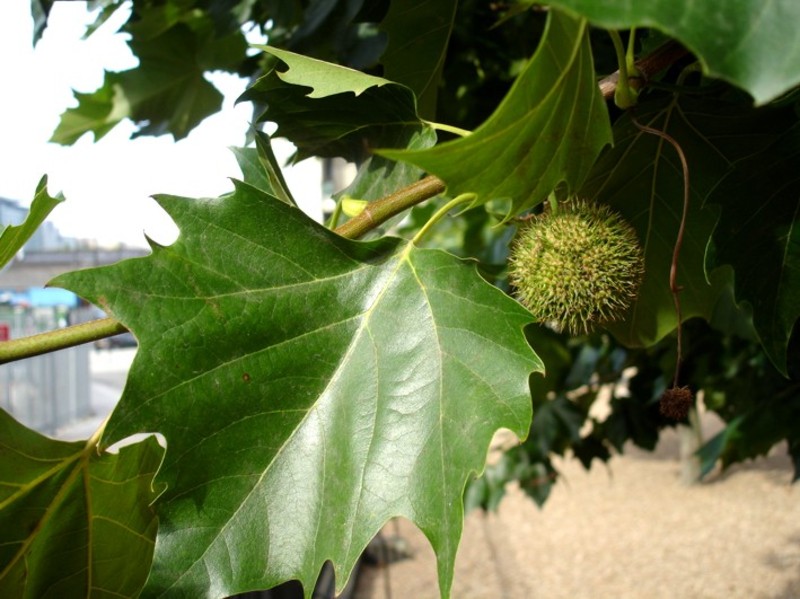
(14, 237)
(74, 522)
(309, 388)
(330, 110)
(759, 235)
(418, 32)
(641, 178)
(549, 128)
(750, 43)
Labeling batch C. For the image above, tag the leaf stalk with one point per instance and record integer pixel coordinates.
(440, 214)
(625, 96)
(661, 58)
(449, 128)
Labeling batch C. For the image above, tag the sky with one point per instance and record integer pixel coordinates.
(107, 184)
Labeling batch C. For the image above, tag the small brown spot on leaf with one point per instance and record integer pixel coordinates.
(246, 377)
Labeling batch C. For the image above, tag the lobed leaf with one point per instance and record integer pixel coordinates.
(753, 45)
(759, 235)
(260, 169)
(418, 33)
(14, 237)
(74, 523)
(345, 113)
(549, 128)
(641, 178)
(309, 387)
(166, 93)
(40, 11)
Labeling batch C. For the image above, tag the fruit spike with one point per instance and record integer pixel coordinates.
(576, 267)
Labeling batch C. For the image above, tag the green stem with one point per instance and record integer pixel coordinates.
(622, 61)
(449, 128)
(51, 341)
(379, 211)
(374, 215)
(461, 199)
(553, 203)
(646, 67)
(624, 95)
(337, 213)
(630, 58)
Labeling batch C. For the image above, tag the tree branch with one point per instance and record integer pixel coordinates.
(51, 341)
(379, 211)
(648, 66)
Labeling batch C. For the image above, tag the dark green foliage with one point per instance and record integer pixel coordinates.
(310, 387)
(74, 521)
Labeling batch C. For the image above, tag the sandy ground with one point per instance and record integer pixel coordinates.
(629, 531)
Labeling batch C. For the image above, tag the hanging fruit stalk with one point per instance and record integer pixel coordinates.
(676, 401)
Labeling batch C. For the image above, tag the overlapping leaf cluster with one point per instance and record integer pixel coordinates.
(310, 387)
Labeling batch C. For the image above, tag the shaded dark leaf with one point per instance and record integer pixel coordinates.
(549, 128)
(328, 110)
(75, 522)
(759, 235)
(418, 33)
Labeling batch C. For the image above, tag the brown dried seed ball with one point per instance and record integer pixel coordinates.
(578, 267)
(675, 403)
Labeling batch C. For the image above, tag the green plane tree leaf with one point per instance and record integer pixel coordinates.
(753, 45)
(309, 388)
(75, 522)
(549, 129)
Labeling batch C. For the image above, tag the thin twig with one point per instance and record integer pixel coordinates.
(50, 341)
(673, 269)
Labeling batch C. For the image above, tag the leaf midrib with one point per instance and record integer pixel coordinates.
(364, 316)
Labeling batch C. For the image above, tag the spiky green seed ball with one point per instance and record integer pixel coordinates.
(578, 267)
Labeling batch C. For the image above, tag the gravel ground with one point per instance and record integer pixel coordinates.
(629, 531)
